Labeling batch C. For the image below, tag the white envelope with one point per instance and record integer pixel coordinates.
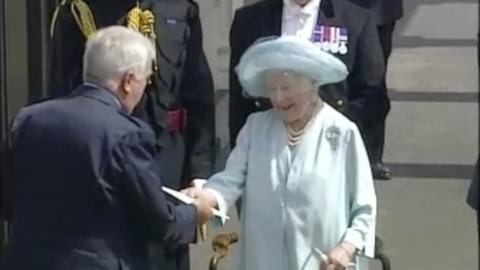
(187, 200)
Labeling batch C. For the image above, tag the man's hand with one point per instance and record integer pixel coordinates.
(204, 211)
(204, 194)
(339, 258)
(193, 192)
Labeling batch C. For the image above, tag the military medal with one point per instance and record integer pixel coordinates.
(343, 40)
(317, 35)
(326, 38)
(331, 39)
(334, 41)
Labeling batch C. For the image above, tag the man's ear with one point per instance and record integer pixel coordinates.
(127, 81)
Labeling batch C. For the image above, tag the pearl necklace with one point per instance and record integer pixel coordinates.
(295, 137)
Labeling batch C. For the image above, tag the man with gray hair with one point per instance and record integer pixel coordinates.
(86, 195)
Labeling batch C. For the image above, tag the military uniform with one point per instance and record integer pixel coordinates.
(387, 11)
(344, 29)
(385, 14)
(179, 104)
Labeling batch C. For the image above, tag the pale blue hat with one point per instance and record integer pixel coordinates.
(288, 53)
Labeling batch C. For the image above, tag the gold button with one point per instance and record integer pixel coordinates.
(339, 103)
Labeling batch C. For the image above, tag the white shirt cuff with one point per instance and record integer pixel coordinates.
(199, 183)
(354, 238)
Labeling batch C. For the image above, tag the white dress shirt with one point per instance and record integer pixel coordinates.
(299, 21)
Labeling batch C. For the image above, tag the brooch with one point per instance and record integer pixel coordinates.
(332, 135)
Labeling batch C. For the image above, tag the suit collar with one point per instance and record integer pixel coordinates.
(276, 6)
(274, 13)
(292, 10)
(100, 94)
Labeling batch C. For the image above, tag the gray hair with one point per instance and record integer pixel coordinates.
(114, 51)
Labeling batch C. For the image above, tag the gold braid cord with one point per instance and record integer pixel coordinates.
(55, 16)
(142, 21)
(139, 20)
(134, 18)
(81, 13)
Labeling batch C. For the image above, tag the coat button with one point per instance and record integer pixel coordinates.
(257, 104)
(340, 103)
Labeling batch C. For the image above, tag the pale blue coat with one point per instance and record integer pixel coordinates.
(316, 199)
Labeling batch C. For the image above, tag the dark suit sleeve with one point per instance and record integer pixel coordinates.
(7, 173)
(367, 101)
(6, 176)
(131, 167)
(239, 106)
(198, 96)
(67, 46)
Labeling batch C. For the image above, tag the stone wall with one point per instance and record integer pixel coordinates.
(216, 16)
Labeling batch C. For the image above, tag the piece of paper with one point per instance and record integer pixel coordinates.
(187, 200)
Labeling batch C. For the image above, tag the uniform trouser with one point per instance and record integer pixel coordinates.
(374, 135)
(170, 164)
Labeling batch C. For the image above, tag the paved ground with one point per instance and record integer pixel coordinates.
(432, 141)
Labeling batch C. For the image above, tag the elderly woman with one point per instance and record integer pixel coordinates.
(309, 199)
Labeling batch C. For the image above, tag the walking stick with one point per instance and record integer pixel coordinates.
(220, 244)
(380, 256)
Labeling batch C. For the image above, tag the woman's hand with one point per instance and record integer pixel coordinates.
(339, 258)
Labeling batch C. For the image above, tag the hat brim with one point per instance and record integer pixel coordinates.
(291, 54)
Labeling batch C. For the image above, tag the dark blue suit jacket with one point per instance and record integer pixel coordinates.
(85, 193)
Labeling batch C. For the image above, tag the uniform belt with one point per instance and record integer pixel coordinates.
(177, 120)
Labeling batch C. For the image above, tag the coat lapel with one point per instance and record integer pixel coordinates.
(274, 13)
(326, 9)
(273, 20)
(325, 12)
